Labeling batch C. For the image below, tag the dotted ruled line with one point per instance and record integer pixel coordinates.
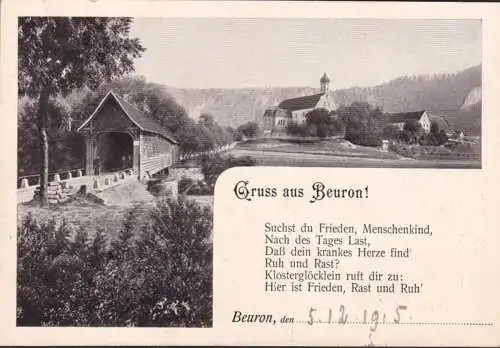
(400, 323)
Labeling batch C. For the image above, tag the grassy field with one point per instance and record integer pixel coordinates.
(79, 213)
(331, 147)
(336, 153)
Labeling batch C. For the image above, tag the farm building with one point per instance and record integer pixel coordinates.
(119, 136)
(424, 118)
(294, 110)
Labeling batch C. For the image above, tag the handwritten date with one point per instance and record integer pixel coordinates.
(341, 316)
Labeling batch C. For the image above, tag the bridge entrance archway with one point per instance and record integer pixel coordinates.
(114, 152)
(120, 136)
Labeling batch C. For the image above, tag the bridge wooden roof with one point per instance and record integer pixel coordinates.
(136, 116)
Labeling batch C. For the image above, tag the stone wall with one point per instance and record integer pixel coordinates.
(57, 192)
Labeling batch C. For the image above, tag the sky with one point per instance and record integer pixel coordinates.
(275, 52)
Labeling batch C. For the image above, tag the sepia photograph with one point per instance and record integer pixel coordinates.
(125, 124)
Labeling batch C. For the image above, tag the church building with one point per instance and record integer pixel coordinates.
(295, 110)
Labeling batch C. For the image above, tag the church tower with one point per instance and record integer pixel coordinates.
(324, 83)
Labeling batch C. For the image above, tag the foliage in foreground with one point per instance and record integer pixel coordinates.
(189, 186)
(157, 272)
(214, 166)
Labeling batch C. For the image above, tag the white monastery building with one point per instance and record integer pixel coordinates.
(295, 110)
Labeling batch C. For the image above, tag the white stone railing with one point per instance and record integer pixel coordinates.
(106, 180)
(27, 181)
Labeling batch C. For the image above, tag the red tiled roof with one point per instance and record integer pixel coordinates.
(300, 103)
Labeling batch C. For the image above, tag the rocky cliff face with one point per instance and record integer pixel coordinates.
(444, 94)
(473, 97)
(233, 107)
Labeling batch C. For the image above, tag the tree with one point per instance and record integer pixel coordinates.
(297, 129)
(249, 129)
(321, 119)
(434, 129)
(155, 101)
(59, 54)
(411, 131)
(442, 137)
(413, 127)
(391, 132)
(206, 120)
(362, 123)
(220, 135)
(65, 144)
(337, 126)
(321, 123)
(213, 167)
(428, 139)
(234, 134)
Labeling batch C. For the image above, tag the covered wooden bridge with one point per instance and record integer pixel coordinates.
(120, 137)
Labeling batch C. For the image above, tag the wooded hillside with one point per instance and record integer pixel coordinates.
(443, 94)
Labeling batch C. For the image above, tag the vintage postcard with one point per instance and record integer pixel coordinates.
(278, 173)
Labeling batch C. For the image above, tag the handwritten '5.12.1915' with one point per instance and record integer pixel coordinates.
(343, 316)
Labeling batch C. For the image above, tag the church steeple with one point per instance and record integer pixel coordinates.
(324, 83)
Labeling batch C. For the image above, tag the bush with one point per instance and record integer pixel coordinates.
(391, 132)
(465, 148)
(200, 188)
(249, 129)
(422, 152)
(213, 167)
(300, 130)
(322, 123)
(401, 149)
(184, 183)
(441, 137)
(364, 138)
(428, 139)
(161, 276)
